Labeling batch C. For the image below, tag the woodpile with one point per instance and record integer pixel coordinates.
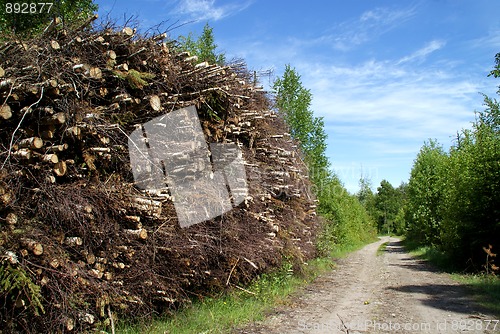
(72, 219)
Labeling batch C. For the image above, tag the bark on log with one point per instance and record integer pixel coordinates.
(140, 233)
(23, 153)
(56, 148)
(32, 142)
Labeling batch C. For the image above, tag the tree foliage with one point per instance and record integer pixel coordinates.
(425, 194)
(29, 24)
(293, 101)
(203, 47)
(454, 197)
(347, 221)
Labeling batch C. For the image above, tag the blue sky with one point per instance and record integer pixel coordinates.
(385, 75)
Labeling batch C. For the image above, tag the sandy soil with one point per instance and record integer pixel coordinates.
(391, 292)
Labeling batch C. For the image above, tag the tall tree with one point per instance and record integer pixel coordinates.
(425, 194)
(293, 101)
(203, 47)
(387, 203)
(26, 19)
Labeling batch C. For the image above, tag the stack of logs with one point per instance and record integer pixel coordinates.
(71, 219)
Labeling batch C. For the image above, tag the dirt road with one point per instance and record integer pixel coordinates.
(391, 292)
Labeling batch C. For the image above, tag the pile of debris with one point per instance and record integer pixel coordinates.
(80, 243)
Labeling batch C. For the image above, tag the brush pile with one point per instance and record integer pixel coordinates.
(82, 246)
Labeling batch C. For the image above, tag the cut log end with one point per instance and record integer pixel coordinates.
(5, 112)
(60, 168)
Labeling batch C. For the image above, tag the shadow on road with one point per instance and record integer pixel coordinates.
(451, 298)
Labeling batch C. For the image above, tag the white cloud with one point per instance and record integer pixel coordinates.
(368, 26)
(422, 53)
(200, 10)
(383, 100)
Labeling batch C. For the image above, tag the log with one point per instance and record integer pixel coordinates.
(128, 31)
(5, 112)
(60, 168)
(2, 72)
(111, 54)
(191, 59)
(155, 102)
(122, 67)
(95, 73)
(32, 142)
(122, 98)
(159, 37)
(34, 246)
(101, 149)
(5, 195)
(81, 68)
(56, 148)
(201, 65)
(95, 273)
(140, 233)
(58, 118)
(47, 134)
(5, 84)
(73, 241)
(148, 206)
(137, 52)
(51, 157)
(87, 22)
(74, 131)
(70, 324)
(55, 45)
(23, 153)
(11, 218)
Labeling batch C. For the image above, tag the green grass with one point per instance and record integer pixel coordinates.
(236, 308)
(225, 311)
(381, 249)
(485, 289)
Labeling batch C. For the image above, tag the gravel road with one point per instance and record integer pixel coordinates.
(385, 293)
